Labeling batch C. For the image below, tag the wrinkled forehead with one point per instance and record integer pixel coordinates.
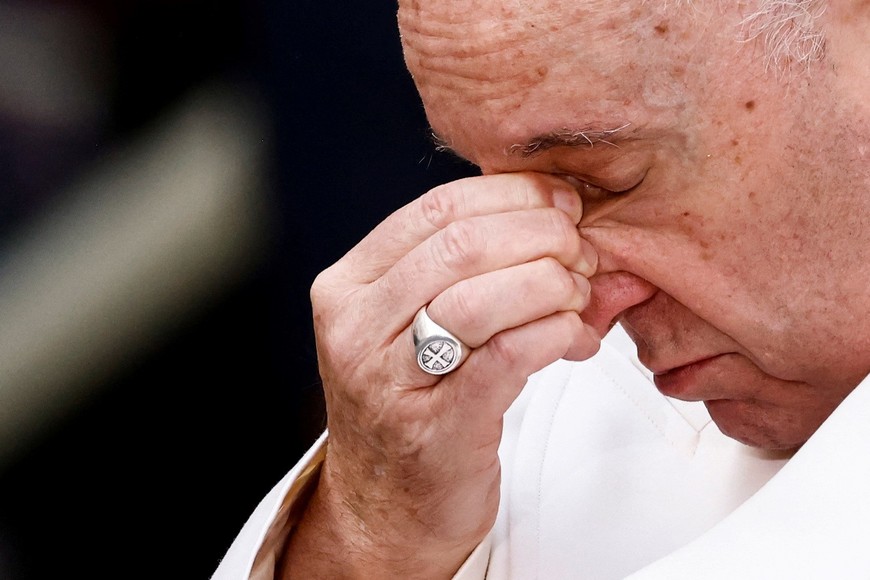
(486, 12)
(514, 60)
(545, 15)
(508, 41)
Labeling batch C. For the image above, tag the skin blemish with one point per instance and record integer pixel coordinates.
(735, 142)
(661, 28)
(685, 226)
(542, 71)
(750, 105)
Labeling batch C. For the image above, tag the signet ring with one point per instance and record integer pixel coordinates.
(438, 350)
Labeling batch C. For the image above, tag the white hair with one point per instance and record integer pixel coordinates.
(791, 31)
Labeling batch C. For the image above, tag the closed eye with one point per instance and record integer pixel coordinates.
(591, 192)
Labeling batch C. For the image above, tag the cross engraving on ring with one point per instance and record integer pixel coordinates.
(438, 355)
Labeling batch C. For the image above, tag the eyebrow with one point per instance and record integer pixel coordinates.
(588, 136)
(568, 137)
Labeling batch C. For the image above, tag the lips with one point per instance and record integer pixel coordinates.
(686, 382)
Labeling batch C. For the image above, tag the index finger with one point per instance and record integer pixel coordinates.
(410, 225)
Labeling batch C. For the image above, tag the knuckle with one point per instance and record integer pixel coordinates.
(319, 291)
(558, 278)
(464, 306)
(460, 244)
(326, 291)
(504, 350)
(571, 321)
(327, 296)
(441, 206)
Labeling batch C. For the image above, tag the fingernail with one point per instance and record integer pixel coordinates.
(582, 283)
(568, 201)
(589, 257)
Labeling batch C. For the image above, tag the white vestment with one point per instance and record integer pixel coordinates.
(603, 477)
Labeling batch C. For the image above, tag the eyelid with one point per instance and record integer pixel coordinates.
(594, 191)
(590, 191)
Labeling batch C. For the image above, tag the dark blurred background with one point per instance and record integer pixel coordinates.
(173, 174)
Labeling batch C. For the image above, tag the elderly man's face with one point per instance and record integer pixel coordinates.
(715, 193)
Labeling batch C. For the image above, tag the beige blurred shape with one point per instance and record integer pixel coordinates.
(137, 247)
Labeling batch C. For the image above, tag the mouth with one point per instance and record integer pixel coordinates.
(683, 382)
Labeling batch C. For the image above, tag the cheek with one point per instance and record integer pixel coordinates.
(718, 261)
(699, 260)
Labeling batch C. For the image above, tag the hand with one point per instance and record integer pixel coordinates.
(410, 484)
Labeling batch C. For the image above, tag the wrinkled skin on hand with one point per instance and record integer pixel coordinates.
(412, 472)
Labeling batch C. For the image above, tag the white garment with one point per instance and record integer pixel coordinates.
(605, 478)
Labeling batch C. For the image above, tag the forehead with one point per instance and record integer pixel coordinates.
(522, 67)
(480, 45)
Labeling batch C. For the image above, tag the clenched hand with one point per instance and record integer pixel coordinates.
(410, 484)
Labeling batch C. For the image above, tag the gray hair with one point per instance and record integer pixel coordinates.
(790, 30)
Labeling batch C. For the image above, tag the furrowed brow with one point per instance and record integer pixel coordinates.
(564, 137)
(567, 137)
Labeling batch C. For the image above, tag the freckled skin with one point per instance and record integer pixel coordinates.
(743, 283)
(748, 236)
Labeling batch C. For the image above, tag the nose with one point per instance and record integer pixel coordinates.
(612, 294)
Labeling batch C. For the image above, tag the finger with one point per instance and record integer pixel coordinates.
(475, 309)
(494, 374)
(470, 248)
(475, 196)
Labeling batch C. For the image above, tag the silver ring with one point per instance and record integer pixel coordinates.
(438, 350)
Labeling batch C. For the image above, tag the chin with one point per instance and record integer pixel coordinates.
(753, 425)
